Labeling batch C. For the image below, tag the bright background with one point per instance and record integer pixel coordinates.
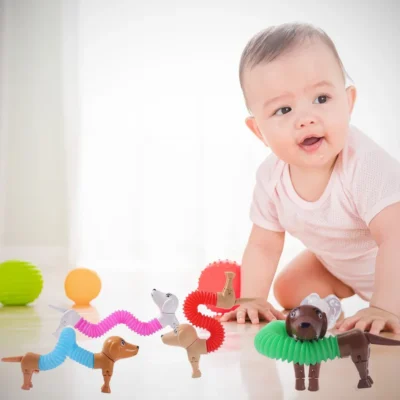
(122, 135)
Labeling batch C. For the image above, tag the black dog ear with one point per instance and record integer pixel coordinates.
(288, 325)
(324, 326)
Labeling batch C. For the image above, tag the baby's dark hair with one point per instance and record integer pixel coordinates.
(274, 41)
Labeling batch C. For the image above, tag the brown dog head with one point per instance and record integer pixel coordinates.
(185, 337)
(117, 348)
(306, 322)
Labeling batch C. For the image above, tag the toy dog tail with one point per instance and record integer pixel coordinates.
(12, 359)
(217, 334)
(375, 339)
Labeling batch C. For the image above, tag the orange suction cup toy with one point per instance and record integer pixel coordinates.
(82, 285)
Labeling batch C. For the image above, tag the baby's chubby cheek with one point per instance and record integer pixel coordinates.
(336, 133)
(283, 146)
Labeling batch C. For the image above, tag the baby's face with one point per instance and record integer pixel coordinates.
(298, 96)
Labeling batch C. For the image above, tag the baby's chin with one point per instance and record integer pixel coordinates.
(322, 160)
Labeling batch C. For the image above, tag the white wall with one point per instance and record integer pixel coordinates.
(135, 67)
(33, 185)
(167, 160)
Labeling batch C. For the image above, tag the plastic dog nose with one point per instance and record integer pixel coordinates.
(304, 325)
(162, 335)
(137, 347)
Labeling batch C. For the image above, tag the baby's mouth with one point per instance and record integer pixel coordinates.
(310, 141)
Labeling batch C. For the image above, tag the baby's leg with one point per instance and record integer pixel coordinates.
(304, 275)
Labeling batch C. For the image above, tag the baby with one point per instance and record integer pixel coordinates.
(326, 183)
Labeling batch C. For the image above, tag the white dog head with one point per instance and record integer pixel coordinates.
(166, 302)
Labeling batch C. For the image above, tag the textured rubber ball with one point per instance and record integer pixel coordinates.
(21, 283)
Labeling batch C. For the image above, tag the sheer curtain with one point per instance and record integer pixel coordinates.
(161, 163)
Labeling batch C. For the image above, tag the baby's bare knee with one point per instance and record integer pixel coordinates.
(292, 285)
(286, 289)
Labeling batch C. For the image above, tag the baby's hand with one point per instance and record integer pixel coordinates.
(371, 319)
(256, 310)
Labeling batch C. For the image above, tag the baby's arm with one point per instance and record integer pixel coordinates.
(383, 313)
(374, 185)
(260, 261)
(259, 264)
(385, 228)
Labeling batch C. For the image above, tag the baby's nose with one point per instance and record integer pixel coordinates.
(304, 122)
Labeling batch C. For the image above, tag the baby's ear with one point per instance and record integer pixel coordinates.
(351, 92)
(252, 125)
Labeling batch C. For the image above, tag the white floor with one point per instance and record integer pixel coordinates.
(235, 371)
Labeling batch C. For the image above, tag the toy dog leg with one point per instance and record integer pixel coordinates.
(361, 363)
(226, 298)
(29, 365)
(27, 384)
(299, 373)
(107, 377)
(356, 345)
(313, 376)
(195, 362)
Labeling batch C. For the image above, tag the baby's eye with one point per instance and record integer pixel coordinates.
(284, 110)
(322, 99)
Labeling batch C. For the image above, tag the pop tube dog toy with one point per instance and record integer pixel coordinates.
(115, 348)
(301, 340)
(166, 302)
(187, 335)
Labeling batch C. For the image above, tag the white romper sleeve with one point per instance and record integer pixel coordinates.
(374, 182)
(263, 210)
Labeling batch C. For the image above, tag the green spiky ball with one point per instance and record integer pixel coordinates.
(20, 283)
